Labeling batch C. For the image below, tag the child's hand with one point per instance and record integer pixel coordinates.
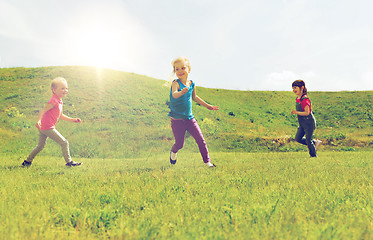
(38, 124)
(184, 90)
(77, 120)
(293, 112)
(211, 107)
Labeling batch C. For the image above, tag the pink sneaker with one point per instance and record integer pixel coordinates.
(318, 144)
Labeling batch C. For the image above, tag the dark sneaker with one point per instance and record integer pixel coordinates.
(73, 164)
(172, 161)
(26, 164)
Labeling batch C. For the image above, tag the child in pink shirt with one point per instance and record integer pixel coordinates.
(47, 120)
(306, 120)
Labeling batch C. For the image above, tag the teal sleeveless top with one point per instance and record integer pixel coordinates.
(181, 108)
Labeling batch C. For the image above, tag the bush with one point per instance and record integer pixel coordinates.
(13, 112)
(334, 138)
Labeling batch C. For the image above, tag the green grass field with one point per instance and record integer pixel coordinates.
(248, 196)
(265, 185)
(125, 115)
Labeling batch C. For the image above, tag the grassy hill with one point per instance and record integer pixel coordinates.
(125, 115)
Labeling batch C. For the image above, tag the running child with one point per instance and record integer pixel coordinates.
(306, 120)
(47, 120)
(182, 92)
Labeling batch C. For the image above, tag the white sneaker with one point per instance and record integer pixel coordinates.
(318, 144)
(210, 164)
(173, 157)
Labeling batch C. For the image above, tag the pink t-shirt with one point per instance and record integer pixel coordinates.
(304, 103)
(51, 117)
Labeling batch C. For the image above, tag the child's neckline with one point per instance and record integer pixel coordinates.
(190, 81)
(55, 95)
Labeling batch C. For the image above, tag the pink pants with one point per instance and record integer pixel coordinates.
(179, 127)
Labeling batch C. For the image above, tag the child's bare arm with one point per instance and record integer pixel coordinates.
(45, 109)
(66, 118)
(201, 102)
(175, 88)
(305, 113)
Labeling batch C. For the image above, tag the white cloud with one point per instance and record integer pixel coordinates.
(282, 80)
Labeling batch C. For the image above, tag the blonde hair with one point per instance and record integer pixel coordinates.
(181, 59)
(56, 81)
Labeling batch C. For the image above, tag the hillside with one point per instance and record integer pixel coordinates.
(125, 114)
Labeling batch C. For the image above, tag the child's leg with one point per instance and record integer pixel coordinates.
(299, 135)
(309, 129)
(178, 128)
(196, 133)
(58, 138)
(38, 148)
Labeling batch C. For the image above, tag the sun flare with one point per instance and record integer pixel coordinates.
(98, 46)
(104, 41)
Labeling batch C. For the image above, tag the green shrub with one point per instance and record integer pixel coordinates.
(13, 112)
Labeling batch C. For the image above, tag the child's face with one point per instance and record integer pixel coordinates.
(297, 90)
(181, 70)
(61, 90)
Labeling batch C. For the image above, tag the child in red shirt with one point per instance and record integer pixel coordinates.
(307, 122)
(47, 120)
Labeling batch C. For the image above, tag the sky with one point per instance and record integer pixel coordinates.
(231, 44)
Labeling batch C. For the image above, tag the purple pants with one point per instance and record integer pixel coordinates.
(179, 127)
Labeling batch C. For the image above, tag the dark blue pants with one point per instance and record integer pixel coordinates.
(306, 128)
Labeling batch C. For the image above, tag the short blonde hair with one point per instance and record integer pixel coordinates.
(181, 59)
(56, 81)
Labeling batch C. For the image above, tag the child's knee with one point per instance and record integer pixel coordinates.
(201, 142)
(40, 147)
(298, 138)
(64, 143)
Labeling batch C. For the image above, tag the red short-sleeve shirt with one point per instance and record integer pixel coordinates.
(304, 103)
(51, 117)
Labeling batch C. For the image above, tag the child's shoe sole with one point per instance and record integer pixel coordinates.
(26, 164)
(73, 164)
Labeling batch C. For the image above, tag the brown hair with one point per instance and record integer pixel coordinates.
(300, 83)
